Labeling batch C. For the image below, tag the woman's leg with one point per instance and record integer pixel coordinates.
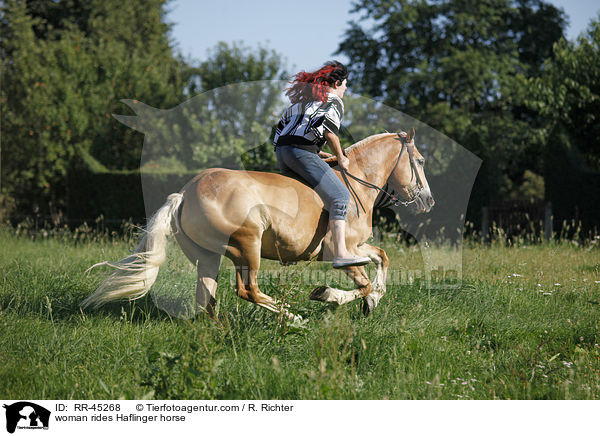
(338, 231)
(319, 176)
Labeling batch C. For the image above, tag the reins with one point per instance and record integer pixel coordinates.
(395, 200)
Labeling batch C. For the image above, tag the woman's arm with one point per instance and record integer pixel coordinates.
(336, 148)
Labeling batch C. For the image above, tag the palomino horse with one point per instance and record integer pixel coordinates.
(247, 215)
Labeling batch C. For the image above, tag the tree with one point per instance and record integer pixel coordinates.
(65, 66)
(238, 116)
(460, 66)
(567, 94)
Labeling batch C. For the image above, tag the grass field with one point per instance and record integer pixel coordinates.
(525, 324)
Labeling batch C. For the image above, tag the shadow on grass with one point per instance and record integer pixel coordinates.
(590, 268)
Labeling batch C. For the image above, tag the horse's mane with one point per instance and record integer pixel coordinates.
(332, 161)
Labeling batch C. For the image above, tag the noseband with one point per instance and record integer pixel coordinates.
(412, 192)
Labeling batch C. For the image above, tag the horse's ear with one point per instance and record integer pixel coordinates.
(411, 134)
(146, 115)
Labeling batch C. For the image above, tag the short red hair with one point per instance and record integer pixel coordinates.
(308, 87)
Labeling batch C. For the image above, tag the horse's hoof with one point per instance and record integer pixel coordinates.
(297, 322)
(368, 304)
(319, 294)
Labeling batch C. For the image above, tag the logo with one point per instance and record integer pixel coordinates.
(26, 415)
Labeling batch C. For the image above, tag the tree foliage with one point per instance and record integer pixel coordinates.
(461, 67)
(247, 110)
(494, 75)
(65, 65)
(232, 63)
(226, 123)
(568, 95)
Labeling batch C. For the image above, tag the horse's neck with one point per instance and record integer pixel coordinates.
(376, 160)
(374, 163)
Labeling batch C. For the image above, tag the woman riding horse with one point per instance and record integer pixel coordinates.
(247, 216)
(314, 118)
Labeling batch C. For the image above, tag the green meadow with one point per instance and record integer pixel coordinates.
(523, 324)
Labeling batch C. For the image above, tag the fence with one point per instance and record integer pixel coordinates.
(517, 218)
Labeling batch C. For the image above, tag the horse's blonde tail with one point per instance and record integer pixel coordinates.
(134, 275)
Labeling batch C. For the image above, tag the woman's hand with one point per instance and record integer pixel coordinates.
(325, 155)
(344, 162)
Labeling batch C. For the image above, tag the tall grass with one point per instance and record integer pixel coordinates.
(524, 323)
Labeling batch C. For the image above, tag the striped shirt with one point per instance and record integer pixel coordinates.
(303, 124)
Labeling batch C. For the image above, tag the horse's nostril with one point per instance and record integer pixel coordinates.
(431, 201)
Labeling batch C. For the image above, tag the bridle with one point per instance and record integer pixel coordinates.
(408, 145)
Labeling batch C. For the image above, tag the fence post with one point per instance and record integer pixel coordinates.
(484, 224)
(548, 218)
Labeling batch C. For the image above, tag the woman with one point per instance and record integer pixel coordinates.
(314, 118)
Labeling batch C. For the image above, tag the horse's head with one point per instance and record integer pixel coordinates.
(408, 177)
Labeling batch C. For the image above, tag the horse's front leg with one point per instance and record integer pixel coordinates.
(370, 292)
(340, 296)
(380, 259)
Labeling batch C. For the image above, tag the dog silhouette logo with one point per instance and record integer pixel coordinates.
(26, 415)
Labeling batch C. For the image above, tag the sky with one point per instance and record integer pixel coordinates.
(306, 33)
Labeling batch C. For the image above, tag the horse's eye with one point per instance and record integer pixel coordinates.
(421, 162)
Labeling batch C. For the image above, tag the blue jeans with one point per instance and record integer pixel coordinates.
(318, 175)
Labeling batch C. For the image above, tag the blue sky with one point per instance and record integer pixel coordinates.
(306, 32)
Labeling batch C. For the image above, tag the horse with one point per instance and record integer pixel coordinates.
(248, 215)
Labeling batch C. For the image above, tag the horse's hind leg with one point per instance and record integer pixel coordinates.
(247, 263)
(207, 265)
